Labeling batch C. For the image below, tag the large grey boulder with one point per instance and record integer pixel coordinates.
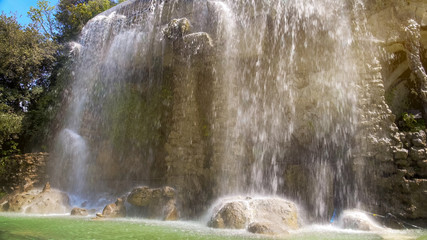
(157, 203)
(258, 215)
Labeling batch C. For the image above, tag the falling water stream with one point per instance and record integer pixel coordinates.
(259, 98)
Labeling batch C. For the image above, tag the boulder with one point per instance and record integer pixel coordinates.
(358, 220)
(46, 188)
(177, 28)
(231, 215)
(37, 202)
(144, 196)
(79, 212)
(401, 153)
(157, 203)
(170, 211)
(197, 43)
(268, 228)
(418, 142)
(115, 210)
(417, 153)
(258, 215)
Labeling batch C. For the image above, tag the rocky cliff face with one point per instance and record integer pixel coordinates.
(22, 172)
(394, 86)
(193, 96)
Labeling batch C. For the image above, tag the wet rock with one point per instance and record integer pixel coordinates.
(267, 228)
(357, 220)
(28, 185)
(37, 202)
(46, 187)
(79, 212)
(157, 203)
(401, 153)
(276, 210)
(197, 43)
(260, 228)
(402, 163)
(98, 217)
(418, 142)
(144, 196)
(422, 163)
(170, 211)
(406, 141)
(115, 210)
(269, 215)
(168, 192)
(417, 153)
(232, 215)
(24, 172)
(177, 28)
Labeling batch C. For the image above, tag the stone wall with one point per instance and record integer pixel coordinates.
(22, 172)
(402, 181)
(395, 161)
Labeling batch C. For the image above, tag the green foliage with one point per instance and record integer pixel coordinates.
(43, 17)
(2, 194)
(83, 12)
(26, 59)
(10, 127)
(410, 123)
(72, 15)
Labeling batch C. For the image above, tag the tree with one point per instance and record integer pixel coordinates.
(43, 17)
(10, 127)
(26, 60)
(72, 15)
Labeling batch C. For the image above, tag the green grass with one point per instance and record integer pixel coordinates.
(17, 227)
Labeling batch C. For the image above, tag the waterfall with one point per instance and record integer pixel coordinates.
(258, 97)
(293, 98)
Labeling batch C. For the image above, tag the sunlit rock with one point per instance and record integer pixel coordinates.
(231, 215)
(46, 188)
(155, 202)
(177, 28)
(79, 212)
(268, 228)
(115, 210)
(401, 153)
(258, 215)
(37, 202)
(357, 220)
(197, 43)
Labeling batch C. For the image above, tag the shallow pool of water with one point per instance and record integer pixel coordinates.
(13, 226)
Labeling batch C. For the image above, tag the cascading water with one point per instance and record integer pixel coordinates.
(260, 98)
(107, 63)
(292, 99)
